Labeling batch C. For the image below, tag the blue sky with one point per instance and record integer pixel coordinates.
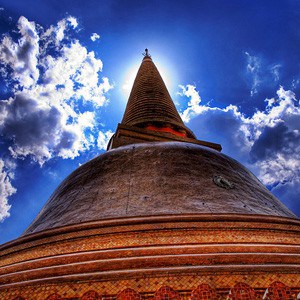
(232, 69)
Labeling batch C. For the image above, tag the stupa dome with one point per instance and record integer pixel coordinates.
(149, 179)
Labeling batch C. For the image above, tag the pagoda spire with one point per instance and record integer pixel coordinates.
(150, 114)
(150, 103)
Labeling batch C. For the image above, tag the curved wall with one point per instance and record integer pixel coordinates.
(157, 179)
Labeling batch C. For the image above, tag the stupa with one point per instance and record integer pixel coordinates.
(160, 215)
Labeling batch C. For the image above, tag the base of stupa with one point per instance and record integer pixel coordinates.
(195, 287)
(173, 256)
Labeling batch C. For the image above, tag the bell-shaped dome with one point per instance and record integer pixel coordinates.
(157, 179)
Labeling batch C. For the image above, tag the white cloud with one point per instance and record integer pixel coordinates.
(22, 56)
(73, 21)
(268, 141)
(261, 74)
(103, 139)
(194, 106)
(54, 78)
(6, 189)
(59, 32)
(253, 67)
(275, 71)
(295, 83)
(95, 36)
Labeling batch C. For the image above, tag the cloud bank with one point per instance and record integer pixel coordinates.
(54, 85)
(268, 142)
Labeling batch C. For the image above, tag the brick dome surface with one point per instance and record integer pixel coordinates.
(157, 179)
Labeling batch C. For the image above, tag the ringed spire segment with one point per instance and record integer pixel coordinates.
(150, 114)
(150, 103)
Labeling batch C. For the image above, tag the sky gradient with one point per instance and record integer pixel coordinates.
(66, 69)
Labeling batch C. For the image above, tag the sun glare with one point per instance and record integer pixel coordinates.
(128, 80)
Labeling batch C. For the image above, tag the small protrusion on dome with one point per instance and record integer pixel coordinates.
(146, 54)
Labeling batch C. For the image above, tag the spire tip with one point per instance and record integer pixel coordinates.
(146, 54)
